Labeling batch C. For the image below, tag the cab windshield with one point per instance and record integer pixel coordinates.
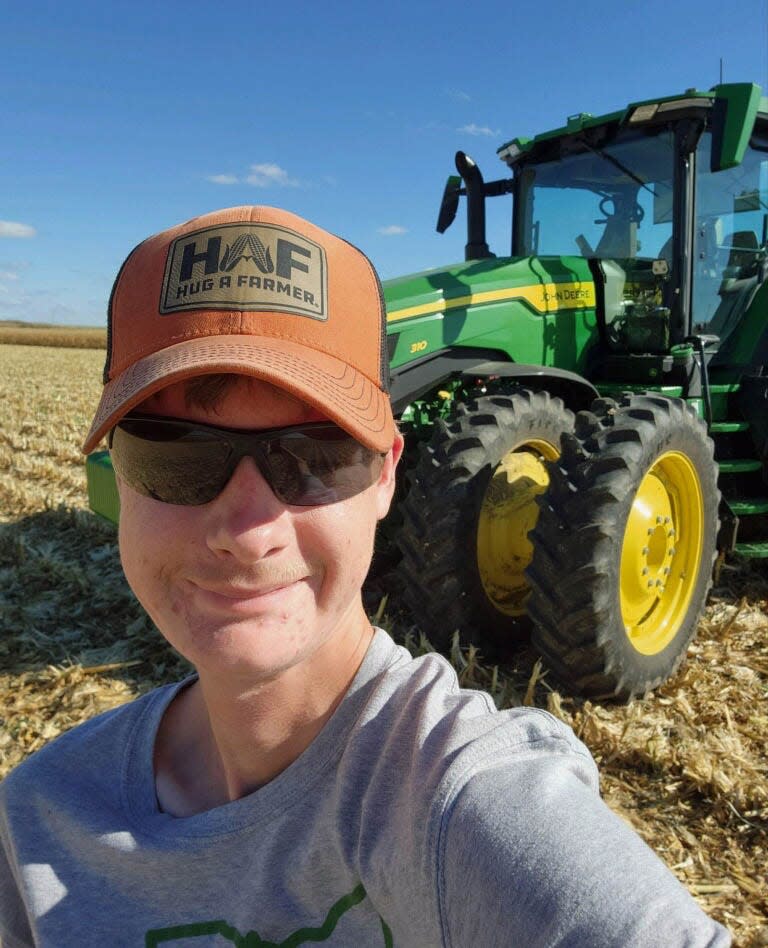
(612, 200)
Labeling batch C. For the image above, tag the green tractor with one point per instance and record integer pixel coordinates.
(586, 419)
(591, 411)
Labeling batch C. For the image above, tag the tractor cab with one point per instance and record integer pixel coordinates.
(668, 201)
(606, 194)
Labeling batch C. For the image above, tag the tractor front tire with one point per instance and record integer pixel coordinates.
(470, 503)
(624, 546)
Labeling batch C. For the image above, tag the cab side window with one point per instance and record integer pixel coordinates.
(730, 237)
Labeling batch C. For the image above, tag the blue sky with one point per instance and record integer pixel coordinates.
(120, 119)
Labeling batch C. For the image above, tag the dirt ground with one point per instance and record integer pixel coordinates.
(686, 766)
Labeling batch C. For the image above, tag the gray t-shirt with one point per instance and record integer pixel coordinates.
(420, 816)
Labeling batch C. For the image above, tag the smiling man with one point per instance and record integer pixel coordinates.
(311, 782)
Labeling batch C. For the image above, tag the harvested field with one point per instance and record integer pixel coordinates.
(685, 766)
(71, 337)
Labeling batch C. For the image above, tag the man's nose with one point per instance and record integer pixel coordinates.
(247, 520)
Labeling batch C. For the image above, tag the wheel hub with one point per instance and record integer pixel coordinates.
(660, 553)
(508, 511)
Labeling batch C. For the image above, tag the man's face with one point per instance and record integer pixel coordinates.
(246, 584)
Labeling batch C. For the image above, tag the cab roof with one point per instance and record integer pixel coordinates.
(741, 103)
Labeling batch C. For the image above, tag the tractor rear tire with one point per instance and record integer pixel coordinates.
(624, 546)
(469, 506)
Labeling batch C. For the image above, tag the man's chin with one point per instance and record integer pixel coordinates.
(251, 650)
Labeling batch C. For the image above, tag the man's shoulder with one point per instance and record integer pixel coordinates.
(84, 753)
(421, 720)
(422, 693)
(419, 743)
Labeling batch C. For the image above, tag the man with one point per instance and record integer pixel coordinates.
(311, 782)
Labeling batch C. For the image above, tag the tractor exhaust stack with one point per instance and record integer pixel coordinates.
(476, 248)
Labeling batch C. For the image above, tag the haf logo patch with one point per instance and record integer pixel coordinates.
(246, 267)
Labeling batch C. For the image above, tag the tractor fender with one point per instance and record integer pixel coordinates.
(415, 379)
(576, 392)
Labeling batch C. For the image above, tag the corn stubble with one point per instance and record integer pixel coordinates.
(685, 766)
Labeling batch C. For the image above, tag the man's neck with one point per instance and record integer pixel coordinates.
(220, 740)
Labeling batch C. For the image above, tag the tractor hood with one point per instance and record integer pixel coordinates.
(531, 309)
(545, 284)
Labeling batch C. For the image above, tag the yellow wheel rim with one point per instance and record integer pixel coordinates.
(661, 553)
(508, 511)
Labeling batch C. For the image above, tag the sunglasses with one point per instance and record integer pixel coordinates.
(182, 462)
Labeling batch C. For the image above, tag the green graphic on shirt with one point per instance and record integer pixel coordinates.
(253, 940)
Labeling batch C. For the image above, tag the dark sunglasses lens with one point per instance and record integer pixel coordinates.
(187, 464)
(170, 462)
(320, 466)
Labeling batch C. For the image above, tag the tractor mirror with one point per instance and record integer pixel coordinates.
(449, 204)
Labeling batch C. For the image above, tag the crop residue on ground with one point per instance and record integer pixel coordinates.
(686, 766)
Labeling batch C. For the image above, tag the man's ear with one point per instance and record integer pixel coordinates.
(386, 481)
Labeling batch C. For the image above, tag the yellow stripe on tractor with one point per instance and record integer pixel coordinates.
(543, 297)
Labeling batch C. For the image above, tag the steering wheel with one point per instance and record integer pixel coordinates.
(637, 211)
(603, 206)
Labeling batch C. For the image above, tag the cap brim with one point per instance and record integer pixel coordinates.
(331, 386)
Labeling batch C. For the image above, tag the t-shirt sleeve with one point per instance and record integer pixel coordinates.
(530, 855)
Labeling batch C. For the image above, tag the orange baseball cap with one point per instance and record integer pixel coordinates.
(255, 291)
